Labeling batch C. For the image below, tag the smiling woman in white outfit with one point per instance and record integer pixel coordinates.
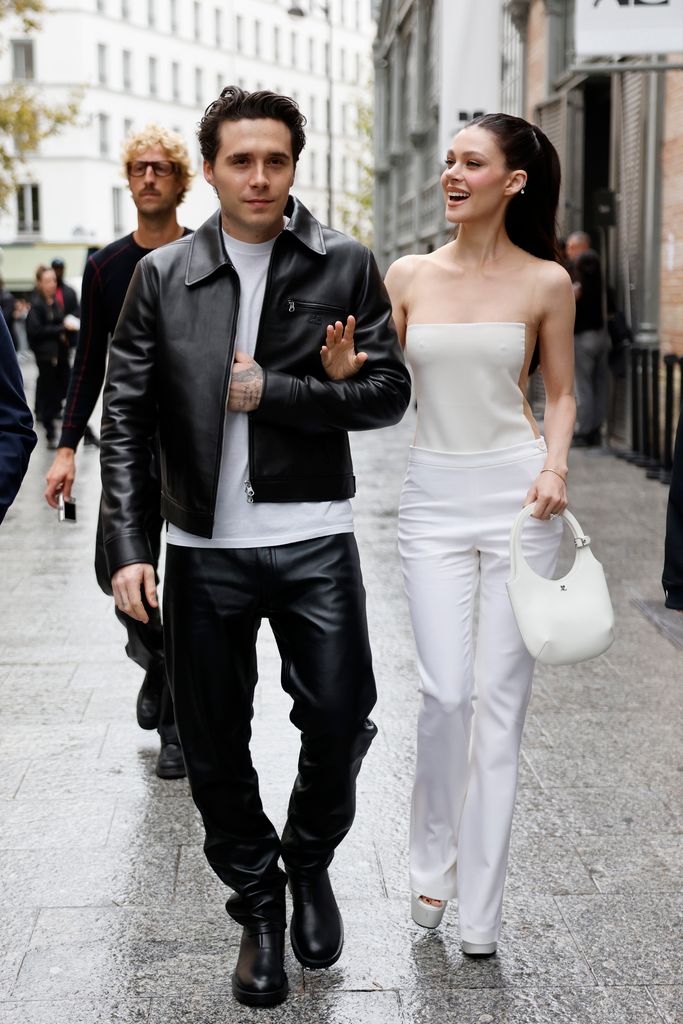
(474, 317)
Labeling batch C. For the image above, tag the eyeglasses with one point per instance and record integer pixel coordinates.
(161, 168)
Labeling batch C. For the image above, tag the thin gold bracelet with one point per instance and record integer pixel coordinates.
(556, 472)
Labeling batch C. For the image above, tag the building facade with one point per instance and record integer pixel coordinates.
(437, 65)
(164, 61)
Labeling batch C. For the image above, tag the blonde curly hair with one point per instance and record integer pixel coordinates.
(173, 145)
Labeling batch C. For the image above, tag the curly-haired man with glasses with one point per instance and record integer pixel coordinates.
(156, 164)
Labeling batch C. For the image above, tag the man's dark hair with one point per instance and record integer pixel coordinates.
(234, 104)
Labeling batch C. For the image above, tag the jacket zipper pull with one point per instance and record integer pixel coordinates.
(291, 305)
(249, 491)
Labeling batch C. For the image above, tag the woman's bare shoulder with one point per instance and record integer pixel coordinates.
(554, 282)
(405, 266)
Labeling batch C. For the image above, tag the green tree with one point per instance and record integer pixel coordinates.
(356, 208)
(26, 118)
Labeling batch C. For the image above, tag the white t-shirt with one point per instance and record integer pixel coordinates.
(237, 522)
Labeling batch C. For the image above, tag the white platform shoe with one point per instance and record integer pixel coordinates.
(479, 949)
(424, 914)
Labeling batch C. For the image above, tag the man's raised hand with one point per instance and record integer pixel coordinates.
(339, 357)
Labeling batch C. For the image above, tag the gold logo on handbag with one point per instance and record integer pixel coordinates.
(559, 625)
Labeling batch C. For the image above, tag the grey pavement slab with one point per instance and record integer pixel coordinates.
(301, 1007)
(69, 1011)
(669, 1001)
(109, 913)
(523, 1006)
(628, 939)
(637, 864)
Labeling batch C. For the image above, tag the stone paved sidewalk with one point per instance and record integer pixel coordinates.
(108, 913)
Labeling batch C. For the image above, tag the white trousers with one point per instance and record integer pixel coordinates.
(455, 517)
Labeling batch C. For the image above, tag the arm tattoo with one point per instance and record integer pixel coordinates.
(250, 382)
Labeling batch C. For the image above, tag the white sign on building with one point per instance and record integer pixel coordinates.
(628, 27)
(470, 66)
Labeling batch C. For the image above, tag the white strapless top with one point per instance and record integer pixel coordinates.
(467, 386)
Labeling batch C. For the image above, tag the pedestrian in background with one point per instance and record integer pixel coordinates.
(17, 437)
(7, 304)
(591, 349)
(156, 164)
(48, 338)
(672, 576)
(65, 295)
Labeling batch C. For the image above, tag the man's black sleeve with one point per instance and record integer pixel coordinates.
(17, 438)
(376, 396)
(129, 425)
(87, 375)
(672, 577)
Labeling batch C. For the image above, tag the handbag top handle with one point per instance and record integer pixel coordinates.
(581, 540)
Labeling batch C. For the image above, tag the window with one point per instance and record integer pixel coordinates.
(174, 15)
(101, 63)
(151, 13)
(312, 118)
(358, 69)
(101, 7)
(257, 38)
(175, 80)
(357, 14)
(127, 126)
(314, 169)
(198, 85)
(125, 9)
(127, 64)
(28, 210)
(311, 54)
(276, 43)
(153, 76)
(103, 132)
(344, 123)
(327, 58)
(342, 64)
(292, 49)
(22, 59)
(239, 33)
(219, 84)
(197, 21)
(117, 209)
(218, 26)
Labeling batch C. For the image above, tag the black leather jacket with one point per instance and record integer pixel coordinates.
(169, 369)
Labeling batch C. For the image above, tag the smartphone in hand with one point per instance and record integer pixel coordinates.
(66, 509)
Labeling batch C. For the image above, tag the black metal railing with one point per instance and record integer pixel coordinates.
(653, 429)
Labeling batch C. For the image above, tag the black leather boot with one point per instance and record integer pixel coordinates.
(259, 979)
(148, 706)
(170, 762)
(317, 929)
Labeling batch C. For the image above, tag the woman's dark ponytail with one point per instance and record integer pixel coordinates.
(531, 218)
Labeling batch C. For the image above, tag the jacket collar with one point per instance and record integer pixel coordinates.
(207, 252)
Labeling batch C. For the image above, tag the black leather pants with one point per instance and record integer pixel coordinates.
(214, 601)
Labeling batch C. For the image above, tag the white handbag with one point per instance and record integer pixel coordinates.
(561, 621)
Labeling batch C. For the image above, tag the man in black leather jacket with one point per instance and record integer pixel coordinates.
(218, 348)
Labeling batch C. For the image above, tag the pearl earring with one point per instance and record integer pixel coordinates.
(523, 191)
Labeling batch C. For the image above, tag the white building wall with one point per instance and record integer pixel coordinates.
(76, 178)
(471, 64)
